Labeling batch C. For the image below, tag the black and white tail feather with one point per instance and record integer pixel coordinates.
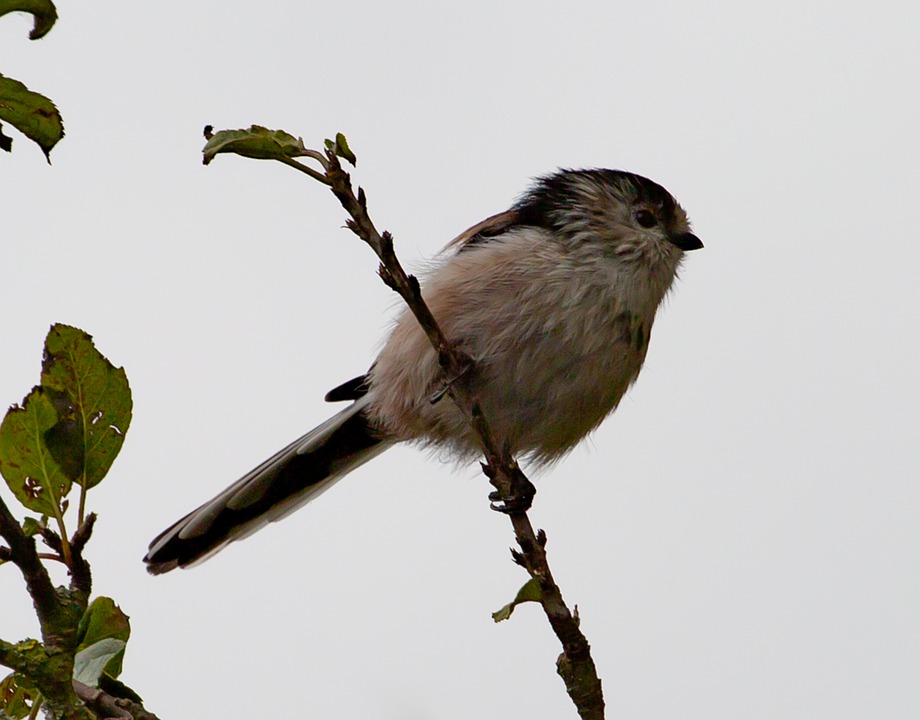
(290, 478)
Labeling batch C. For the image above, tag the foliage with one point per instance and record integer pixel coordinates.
(65, 434)
(33, 114)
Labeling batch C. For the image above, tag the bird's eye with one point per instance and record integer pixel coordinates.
(646, 218)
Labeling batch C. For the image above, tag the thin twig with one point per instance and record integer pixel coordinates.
(575, 664)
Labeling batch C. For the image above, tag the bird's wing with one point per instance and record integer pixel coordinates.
(490, 227)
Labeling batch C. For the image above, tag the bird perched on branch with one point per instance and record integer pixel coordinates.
(553, 300)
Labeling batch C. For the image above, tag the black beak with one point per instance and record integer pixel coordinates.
(686, 241)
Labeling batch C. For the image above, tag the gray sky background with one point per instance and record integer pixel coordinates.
(741, 537)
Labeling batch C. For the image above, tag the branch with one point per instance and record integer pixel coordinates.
(81, 578)
(514, 491)
(108, 706)
(48, 664)
(11, 656)
(23, 554)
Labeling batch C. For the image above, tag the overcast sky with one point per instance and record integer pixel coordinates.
(741, 537)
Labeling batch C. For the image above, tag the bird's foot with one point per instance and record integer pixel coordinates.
(520, 497)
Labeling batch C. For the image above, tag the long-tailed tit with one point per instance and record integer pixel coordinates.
(553, 300)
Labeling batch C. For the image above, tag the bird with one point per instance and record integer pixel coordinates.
(553, 300)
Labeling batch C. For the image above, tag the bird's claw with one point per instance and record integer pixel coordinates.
(518, 500)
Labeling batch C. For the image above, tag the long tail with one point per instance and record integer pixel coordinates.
(277, 487)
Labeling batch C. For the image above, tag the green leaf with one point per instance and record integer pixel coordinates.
(31, 526)
(94, 404)
(64, 439)
(44, 11)
(102, 619)
(256, 142)
(529, 592)
(16, 697)
(34, 115)
(101, 638)
(342, 149)
(90, 663)
(28, 467)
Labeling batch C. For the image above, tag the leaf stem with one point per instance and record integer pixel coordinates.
(36, 706)
(315, 174)
(65, 543)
